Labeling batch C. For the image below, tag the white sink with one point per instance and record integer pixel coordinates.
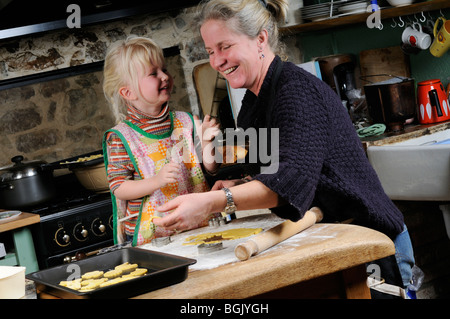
(415, 169)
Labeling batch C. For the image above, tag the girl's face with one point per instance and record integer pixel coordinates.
(155, 86)
(235, 56)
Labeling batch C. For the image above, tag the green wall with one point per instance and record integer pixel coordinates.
(355, 38)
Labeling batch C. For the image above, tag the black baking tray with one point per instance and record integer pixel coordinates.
(163, 270)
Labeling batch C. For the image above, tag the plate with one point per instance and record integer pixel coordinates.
(354, 7)
(9, 215)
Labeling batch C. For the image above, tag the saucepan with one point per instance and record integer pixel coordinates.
(392, 101)
(24, 184)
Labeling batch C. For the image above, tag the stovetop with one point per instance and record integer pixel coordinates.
(71, 195)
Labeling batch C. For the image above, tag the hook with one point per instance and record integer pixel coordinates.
(380, 26)
(395, 23)
(403, 23)
(424, 18)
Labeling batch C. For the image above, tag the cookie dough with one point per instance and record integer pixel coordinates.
(217, 237)
(97, 279)
(93, 275)
(126, 267)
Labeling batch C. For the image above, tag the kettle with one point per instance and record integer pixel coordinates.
(433, 102)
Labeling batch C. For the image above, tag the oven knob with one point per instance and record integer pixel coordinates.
(98, 228)
(61, 237)
(66, 238)
(79, 232)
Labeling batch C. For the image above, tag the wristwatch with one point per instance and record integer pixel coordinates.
(231, 207)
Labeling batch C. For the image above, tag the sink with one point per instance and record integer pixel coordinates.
(414, 169)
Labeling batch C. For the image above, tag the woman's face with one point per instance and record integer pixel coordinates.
(235, 56)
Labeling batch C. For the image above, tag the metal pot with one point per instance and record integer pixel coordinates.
(391, 102)
(25, 184)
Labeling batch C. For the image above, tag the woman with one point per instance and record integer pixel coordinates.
(321, 160)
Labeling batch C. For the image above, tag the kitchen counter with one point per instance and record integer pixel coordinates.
(24, 219)
(410, 131)
(326, 260)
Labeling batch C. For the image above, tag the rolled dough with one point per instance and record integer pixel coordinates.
(229, 234)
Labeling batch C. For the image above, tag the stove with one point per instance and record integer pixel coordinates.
(77, 222)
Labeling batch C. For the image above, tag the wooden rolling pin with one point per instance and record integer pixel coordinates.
(277, 234)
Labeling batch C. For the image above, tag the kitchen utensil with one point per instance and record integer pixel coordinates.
(432, 101)
(441, 42)
(415, 37)
(391, 102)
(277, 234)
(24, 184)
(91, 173)
(344, 77)
(327, 65)
(163, 270)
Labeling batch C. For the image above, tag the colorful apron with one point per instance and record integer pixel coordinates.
(149, 153)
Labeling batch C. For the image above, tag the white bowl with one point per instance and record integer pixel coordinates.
(400, 3)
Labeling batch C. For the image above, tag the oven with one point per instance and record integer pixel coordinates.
(75, 224)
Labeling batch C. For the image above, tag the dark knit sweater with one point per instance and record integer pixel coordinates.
(321, 159)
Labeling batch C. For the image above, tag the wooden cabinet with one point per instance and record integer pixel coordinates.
(362, 17)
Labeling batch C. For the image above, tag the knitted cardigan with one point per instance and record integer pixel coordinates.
(321, 159)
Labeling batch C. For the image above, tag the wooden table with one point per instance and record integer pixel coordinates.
(331, 265)
(23, 241)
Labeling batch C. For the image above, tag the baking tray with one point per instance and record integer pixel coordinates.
(163, 270)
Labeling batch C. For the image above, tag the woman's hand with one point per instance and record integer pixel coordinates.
(189, 210)
(227, 183)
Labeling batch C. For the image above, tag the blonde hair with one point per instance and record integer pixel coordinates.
(247, 17)
(123, 61)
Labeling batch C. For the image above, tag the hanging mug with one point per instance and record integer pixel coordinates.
(441, 41)
(415, 37)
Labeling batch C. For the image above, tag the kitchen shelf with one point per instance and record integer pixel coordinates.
(387, 13)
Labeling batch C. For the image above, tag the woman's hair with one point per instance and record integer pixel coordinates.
(247, 17)
(123, 61)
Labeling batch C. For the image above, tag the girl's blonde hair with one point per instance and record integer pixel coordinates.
(123, 61)
(247, 17)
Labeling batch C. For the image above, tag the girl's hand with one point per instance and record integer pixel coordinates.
(209, 129)
(169, 173)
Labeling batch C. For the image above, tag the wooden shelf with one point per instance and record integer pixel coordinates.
(391, 12)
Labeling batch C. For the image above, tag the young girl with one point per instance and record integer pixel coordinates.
(149, 155)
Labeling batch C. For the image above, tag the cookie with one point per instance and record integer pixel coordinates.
(139, 272)
(126, 267)
(113, 273)
(92, 275)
